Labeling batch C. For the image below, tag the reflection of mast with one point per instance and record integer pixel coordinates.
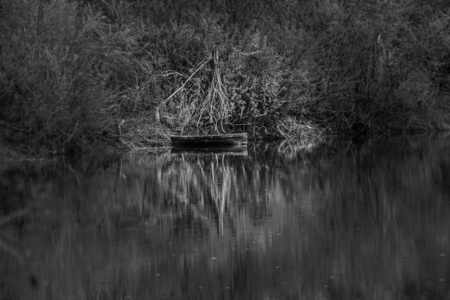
(204, 184)
(220, 190)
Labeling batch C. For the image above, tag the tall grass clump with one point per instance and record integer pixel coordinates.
(235, 87)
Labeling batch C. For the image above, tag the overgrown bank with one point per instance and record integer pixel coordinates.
(75, 73)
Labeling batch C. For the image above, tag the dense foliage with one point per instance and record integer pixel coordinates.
(71, 71)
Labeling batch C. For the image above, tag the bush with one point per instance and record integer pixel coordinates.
(57, 64)
(361, 70)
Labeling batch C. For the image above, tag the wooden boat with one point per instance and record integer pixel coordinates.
(209, 140)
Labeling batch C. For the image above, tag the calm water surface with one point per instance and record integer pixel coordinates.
(342, 221)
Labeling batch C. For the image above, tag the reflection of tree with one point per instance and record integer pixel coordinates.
(362, 221)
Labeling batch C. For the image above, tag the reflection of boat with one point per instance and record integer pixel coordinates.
(209, 140)
(240, 150)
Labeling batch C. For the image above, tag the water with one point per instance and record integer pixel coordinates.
(342, 221)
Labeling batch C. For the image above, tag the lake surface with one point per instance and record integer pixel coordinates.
(278, 221)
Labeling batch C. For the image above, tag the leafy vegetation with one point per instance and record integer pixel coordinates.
(73, 73)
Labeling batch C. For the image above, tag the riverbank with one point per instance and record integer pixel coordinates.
(74, 74)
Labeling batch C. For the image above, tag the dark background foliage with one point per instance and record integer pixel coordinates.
(73, 72)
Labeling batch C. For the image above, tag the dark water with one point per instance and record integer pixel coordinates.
(343, 221)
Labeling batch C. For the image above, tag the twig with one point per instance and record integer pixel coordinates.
(14, 127)
(187, 80)
(73, 132)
